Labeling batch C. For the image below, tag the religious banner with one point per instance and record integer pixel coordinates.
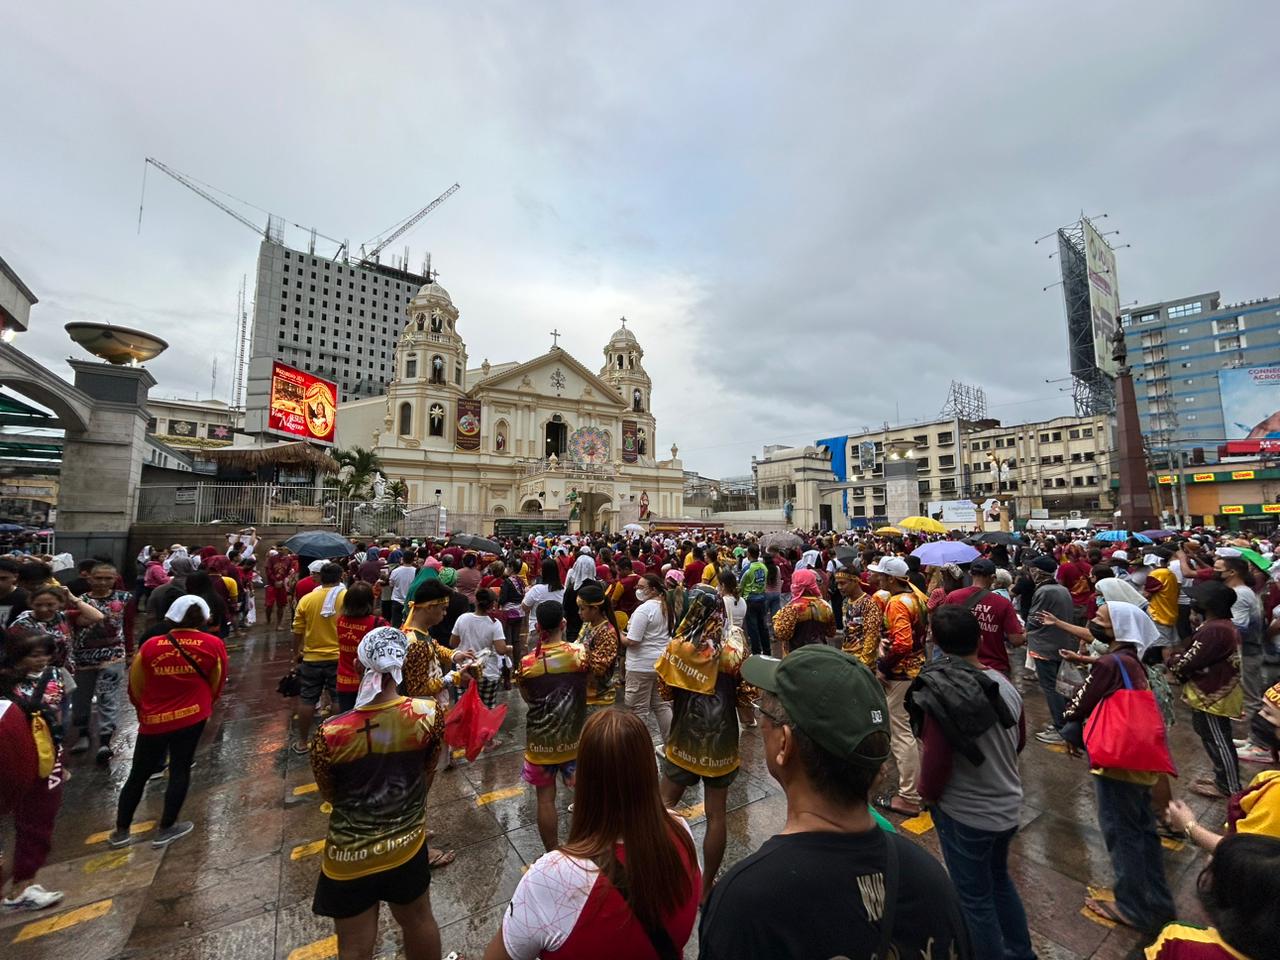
(644, 505)
(629, 430)
(468, 425)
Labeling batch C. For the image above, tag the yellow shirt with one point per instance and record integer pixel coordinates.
(1164, 605)
(1261, 805)
(233, 588)
(319, 634)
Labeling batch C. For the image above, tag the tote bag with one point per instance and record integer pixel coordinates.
(1126, 731)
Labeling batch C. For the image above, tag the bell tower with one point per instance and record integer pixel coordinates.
(624, 371)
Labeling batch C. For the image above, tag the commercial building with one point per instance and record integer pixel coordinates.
(1177, 348)
(339, 320)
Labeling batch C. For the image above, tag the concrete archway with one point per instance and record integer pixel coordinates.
(22, 375)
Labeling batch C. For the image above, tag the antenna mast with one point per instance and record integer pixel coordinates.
(242, 345)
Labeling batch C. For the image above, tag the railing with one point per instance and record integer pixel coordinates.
(568, 468)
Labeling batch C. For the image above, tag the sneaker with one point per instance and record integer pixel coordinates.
(1050, 736)
(1239, 744)
(1254, 754)
(104, 753)
(81, 745)
(119, 838)
(35, 897)
(175, 832)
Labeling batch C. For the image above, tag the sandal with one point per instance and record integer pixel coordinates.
(1108, 911)
(907, 810)
(440, 858)
(1209, 790)
(1166, 831)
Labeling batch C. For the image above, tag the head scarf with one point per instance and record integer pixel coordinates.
(583, 569)
(703, 621)
(432, 563)
(382, 651)
(806, 562)
(178, 609)
(1116, 590)
(804, 583)
(1132, 625)
(448, 576)
(677, 576)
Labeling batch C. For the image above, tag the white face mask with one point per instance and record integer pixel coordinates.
(642, 593)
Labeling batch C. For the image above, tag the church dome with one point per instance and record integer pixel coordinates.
(433, 291)
(623, 335)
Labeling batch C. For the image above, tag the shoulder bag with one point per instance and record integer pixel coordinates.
(187, 657)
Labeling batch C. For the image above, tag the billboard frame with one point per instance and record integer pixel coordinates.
(1093, 387)
(269, 428)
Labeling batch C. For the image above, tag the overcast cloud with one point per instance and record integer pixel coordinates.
(817, 215)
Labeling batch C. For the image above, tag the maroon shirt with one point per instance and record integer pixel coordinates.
(996, 619)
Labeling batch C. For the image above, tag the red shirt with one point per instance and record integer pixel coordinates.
(1075, 577)
(167, 690)
(304, 586)
(351, 631)
(996, 619)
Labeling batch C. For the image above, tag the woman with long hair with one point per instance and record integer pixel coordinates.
(626, 883)
(201, 584)
(600, 633)
(583, 570)
(355, 619)
(548, 587)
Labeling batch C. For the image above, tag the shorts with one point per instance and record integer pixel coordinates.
(687, 778)
(489, 690)
(341, 899)
(346, 700)
(315, 677)
(1168, 634)
(276, 597)
(544, 774)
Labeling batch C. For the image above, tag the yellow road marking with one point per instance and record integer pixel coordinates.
(1057, 748)
(458, 754)
(306, 849)
(693, 812)
(498, 795)
(107, 861)
(136, 829)
(319, 950)
(305, 788)
(43, 928)
(922, 823)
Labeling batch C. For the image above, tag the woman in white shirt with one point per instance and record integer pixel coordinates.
(647, 634)
(483, 637)
(548, 587)
(735, 608)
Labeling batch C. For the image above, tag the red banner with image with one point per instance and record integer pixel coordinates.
(302, 405)
(629, 441)
(468, 437)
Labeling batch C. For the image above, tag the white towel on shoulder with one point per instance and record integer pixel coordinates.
(330, 605)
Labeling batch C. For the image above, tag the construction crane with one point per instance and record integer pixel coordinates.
(407, 225)
(274, 230)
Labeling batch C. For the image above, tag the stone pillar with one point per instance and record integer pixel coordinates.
(1136, 511)
(102, 466)
(901, 489)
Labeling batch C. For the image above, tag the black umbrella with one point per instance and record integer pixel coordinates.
(470, 541)
(996, 536)
(320, 544)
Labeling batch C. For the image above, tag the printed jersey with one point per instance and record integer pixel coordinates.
(905, 625)
(351, 631)
(601, 642)
(424, 664)
(97, 644)
(1164, 601)
(1183, 941)
(862, 629)
(167, 690)
(803, 621)
(371, 764)
(553, 681)
(704, 695)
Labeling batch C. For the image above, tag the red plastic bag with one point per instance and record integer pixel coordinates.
(470, 724)
(1126, 732)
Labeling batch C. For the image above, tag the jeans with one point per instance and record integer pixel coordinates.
(773, 603)
(978, 861)
(148, 758)
(757, 625)
(1047, 675)
(107, 681)
(1215, 734)
(1129, 831)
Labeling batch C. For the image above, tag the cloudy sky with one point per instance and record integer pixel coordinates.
(817, 216)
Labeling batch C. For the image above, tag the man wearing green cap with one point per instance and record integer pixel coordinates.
(825, 733)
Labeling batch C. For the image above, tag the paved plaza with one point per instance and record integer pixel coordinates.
(241, 885)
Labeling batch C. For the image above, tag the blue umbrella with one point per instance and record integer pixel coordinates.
(320, 544)
(1114, 535)
(938, 552)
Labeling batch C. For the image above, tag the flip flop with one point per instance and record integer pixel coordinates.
(440, 858)
(1108, 911)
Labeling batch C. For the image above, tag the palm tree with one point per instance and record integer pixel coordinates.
(398, 490)
(358, 466)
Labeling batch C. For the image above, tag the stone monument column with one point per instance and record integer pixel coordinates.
(901, 488)
(102, 466)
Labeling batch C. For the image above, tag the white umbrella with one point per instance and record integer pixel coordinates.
(633, 528)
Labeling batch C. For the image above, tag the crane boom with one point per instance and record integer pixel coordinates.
(411, 222)
(194, 188)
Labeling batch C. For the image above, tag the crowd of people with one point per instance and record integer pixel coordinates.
(642, 660)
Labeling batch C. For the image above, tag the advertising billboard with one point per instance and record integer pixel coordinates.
(1104, 298)
(302, 406)
(1250, 402)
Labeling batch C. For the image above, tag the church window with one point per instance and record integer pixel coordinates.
(457, 375)
(619, 361)
(437, 369)
(637, 401)
(406, 419)
(411, 368)
(436, 420)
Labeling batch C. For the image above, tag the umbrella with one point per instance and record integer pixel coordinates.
(922, 525)
(996, 536)
(782, 540)
(1113, 536)
(470, 541)
(944, 551)
(1254, 557)
(1159, 534)
(888, 532)
(320, 544)
(633, 528)
(11, 528)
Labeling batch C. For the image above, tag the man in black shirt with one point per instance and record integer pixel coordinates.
(13, 599)
(850, 888)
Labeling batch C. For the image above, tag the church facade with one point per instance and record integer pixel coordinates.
(543, 438)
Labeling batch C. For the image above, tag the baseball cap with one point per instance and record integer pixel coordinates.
(829, 696)
(1121, 555)
(891, 567)
(982, 567)
(1046, 564)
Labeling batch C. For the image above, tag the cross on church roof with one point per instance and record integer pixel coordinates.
(624, 323)
(555, 339)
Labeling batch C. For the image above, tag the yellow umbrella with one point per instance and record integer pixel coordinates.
(922, 524)
(888, 532)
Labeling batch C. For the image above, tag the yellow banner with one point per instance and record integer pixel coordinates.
(1202, 477)
(1237, 508)
(1271, 508)
(1241, 474)
(1165, 478)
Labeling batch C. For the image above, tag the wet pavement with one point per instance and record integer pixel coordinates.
(240, 886)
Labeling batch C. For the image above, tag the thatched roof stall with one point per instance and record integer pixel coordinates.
(253, 457)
